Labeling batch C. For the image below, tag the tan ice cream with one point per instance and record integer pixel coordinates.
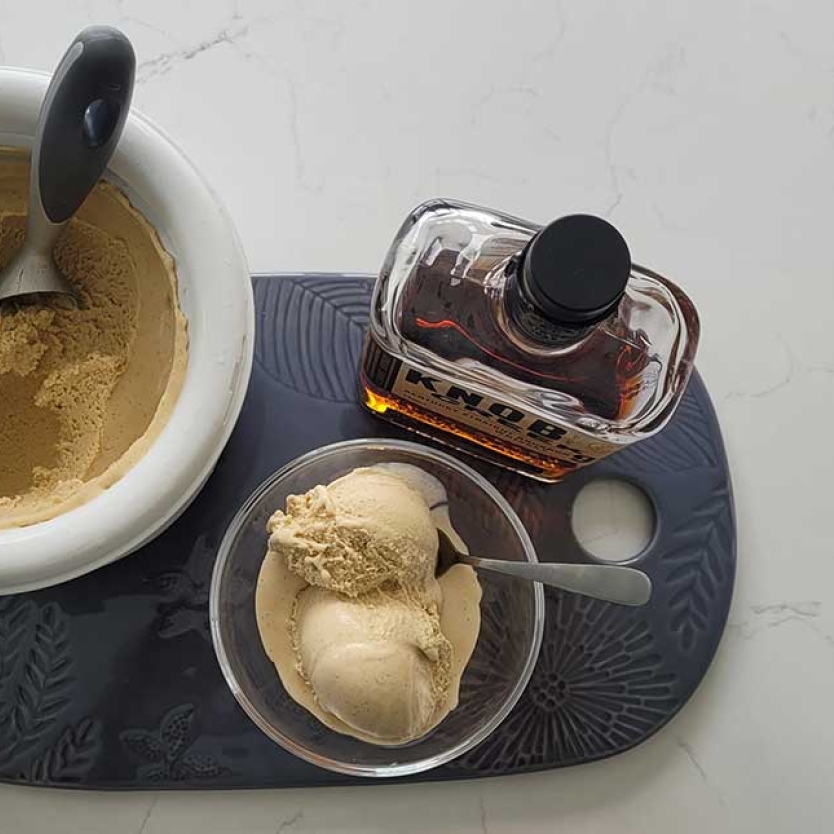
(83, 393)
(383, 663)
(378, 662)
(360, 531)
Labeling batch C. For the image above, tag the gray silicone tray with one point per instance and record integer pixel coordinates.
(110, 681)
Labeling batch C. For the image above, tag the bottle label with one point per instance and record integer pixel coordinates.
(505, 423)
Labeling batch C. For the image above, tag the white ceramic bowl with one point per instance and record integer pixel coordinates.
(215, 295)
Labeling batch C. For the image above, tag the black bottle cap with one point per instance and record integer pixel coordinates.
(575, 270)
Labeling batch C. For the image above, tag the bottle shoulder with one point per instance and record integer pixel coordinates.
(443, 210)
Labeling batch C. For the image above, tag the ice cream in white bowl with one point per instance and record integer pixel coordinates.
(215, 296)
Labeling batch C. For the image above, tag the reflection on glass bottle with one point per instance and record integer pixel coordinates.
(542, 349)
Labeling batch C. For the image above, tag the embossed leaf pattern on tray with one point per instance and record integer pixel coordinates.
(69, 759)
(697, 567)
(313, 335)
(42, 687)
(597, 689)
(686, 443)
(183, 593)
(166, 751)
(16, 630)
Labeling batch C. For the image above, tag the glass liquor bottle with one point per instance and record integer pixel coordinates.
(541, 349)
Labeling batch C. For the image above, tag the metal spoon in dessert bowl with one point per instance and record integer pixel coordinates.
(611, 583)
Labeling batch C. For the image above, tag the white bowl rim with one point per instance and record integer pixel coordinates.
(206, 247)
(375, 771)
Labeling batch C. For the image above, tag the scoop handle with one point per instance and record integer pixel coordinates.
(80, 123)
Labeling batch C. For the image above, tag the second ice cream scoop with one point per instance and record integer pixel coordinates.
(378, 662)
(611, 583)
(79, 126)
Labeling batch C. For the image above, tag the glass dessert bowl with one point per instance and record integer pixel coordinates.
(512, 615)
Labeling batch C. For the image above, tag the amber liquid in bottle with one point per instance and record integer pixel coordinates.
(484, 328)
(606, 376)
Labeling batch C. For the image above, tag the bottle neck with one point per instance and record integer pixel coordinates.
(527, 318)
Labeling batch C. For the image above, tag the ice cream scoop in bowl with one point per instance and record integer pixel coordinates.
(79, 125)
(511, 614)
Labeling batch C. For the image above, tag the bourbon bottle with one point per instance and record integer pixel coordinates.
(542, 349)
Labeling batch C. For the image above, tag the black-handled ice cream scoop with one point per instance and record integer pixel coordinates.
(79, 126)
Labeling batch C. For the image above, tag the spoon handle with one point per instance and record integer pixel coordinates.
(611, 583)
(79, 126)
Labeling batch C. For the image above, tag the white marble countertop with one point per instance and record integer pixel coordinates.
(706, 132)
